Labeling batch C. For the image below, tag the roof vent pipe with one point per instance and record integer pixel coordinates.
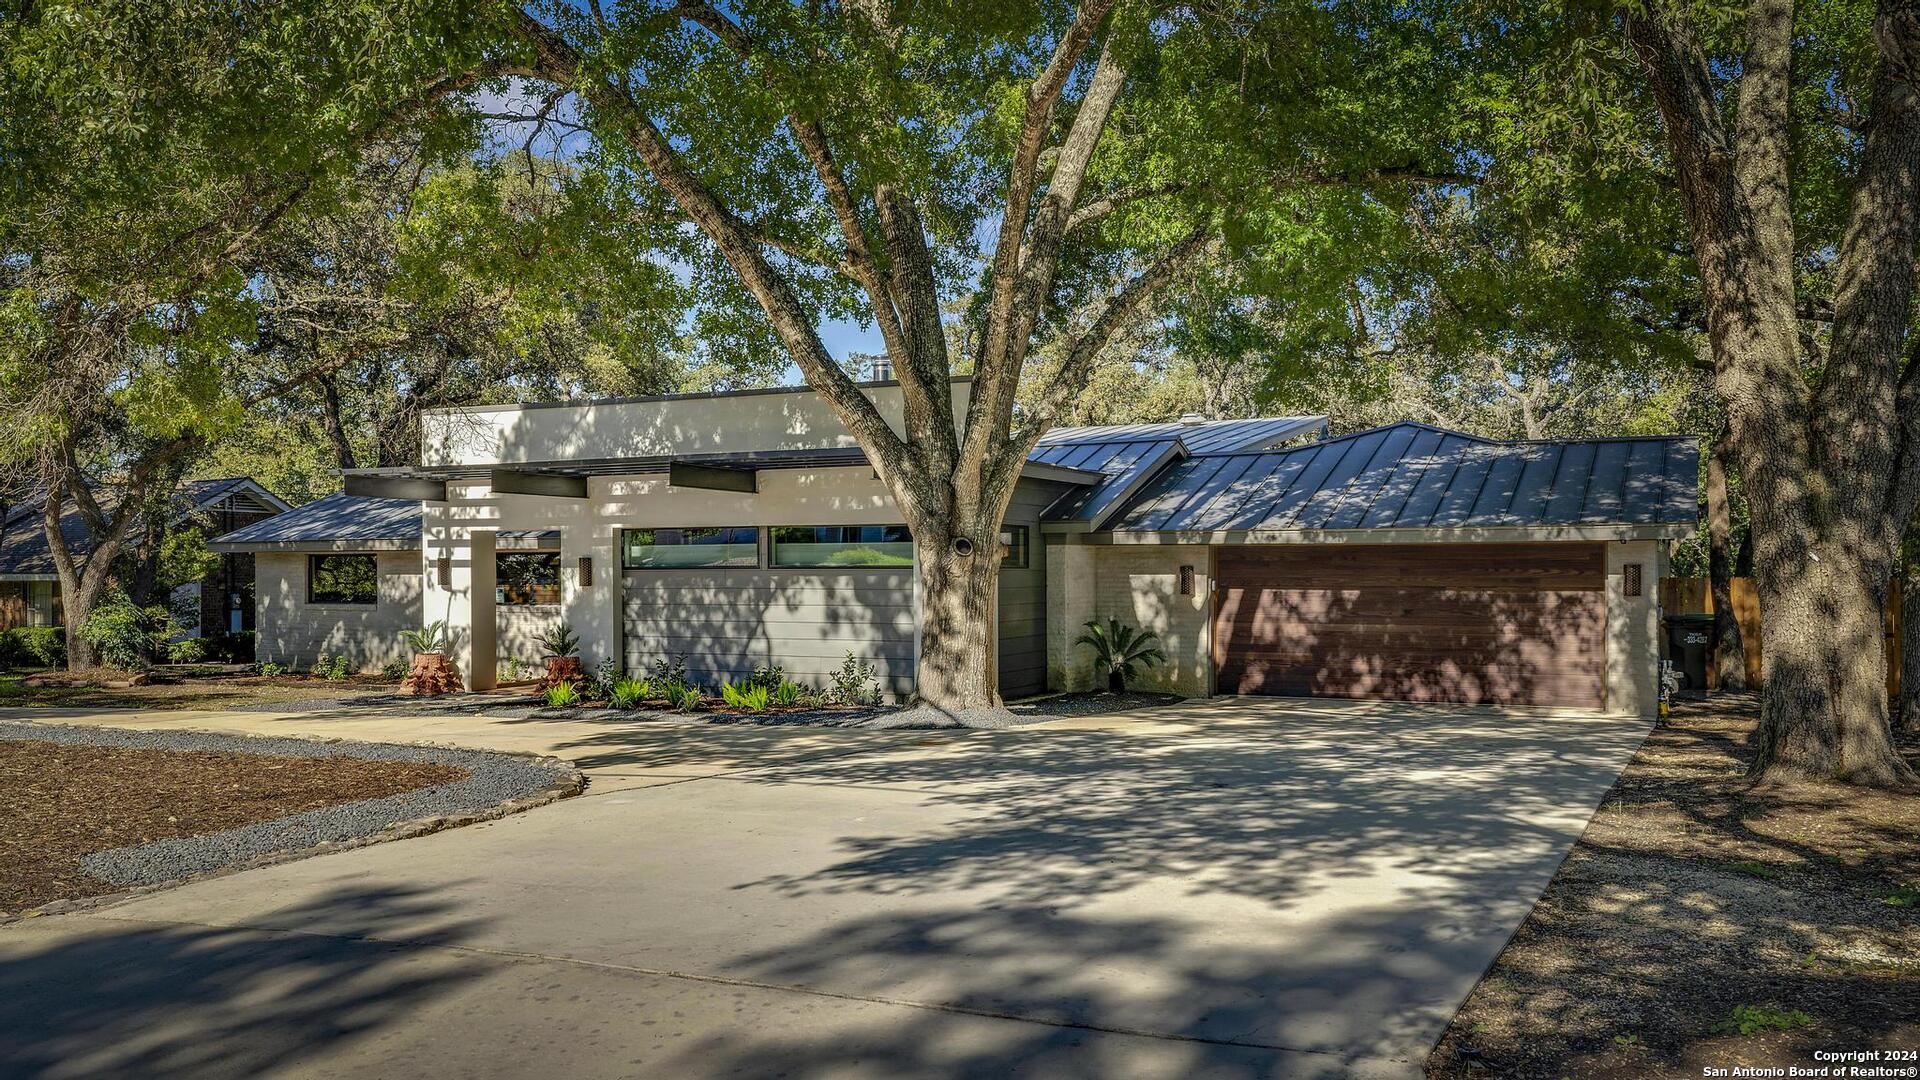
(1193, 419)
(881, 368)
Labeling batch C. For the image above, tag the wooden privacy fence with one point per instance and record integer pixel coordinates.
(1692, 595)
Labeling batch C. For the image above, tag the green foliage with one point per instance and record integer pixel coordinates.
(1119, 650)
(187, 651)
(184, 558)
(788, 694)
(770, 677)
(628, 692)
(751, 697)
(1902, 896)
(562, 695)
(126, 635)
(431, 638)
(560, 640)
(395, 669)
(45, 645)
(332, 668)
(681, 696)
(600, 683)
(1753, 1019)
(270, 669)
(670, 670)
(854, 683)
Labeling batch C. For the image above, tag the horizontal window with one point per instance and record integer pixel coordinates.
(679, 549)
(1015, 539)
(526, 577)
(343, 579)
(842, 545)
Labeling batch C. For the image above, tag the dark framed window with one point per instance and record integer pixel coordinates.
(1015, 537)
(842, 545)
(683, 549)
(526, 577)
(343, 579)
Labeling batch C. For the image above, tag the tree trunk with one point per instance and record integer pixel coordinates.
(957, 637)
(1730, 656)
(1909, 709)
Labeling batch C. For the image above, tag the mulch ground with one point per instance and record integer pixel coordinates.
(170, 690)
(59, 803)
(1696, 902)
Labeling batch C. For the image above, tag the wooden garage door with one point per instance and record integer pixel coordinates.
(1511, 624)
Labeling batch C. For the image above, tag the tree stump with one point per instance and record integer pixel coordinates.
(431, 675)
(561, 669)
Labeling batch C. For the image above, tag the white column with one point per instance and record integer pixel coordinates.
(1070, 584)
(464, 597)
(1633, 628)
(592, 611)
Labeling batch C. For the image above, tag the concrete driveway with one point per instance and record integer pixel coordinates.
(1231, 888)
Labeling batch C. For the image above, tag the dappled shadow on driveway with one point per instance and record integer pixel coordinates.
(87, 997)
(1275, 808)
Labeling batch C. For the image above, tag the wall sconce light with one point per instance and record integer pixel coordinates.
(586, 571)
(445, 569)
(1630, 579)
(1186, 581)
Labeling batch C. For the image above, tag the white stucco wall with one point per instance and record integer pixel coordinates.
(1140, 586)
(1633, 628)
(294, 633)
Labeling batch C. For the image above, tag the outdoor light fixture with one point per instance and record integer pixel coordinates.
(586, 570)
(445, 563)
(1186, 581)
(1631, 579)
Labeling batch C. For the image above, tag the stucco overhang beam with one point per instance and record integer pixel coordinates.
(712, 477)
(411, 543)
(533, 482)
(377, 485)
(1061, 474)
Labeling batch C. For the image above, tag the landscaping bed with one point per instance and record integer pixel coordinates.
(88, 811)
(712, 711)
(184, 687)
(1703, 922)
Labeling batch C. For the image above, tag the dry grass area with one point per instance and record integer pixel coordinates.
(171, 690)
(59, 803)
(1702, 921)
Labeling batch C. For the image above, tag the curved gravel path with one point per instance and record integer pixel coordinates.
(494, 780)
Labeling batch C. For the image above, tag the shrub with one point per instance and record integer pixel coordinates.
(394, 669)
(187, 651)
(270, 669)
(511, 669)
(333, 668)
(628, 692)
(854, 683)
(562, 695)
(46, 645)
(770, 677)
(13, 651)
(1753, 1019)
(560, 641)
(751, 698)
(1118, 649)
(125, 634)
(600, 683)
(788, 693)
(428, 639)
(670, 671)
(682, 696)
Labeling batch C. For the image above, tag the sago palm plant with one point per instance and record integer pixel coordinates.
(1118, 649)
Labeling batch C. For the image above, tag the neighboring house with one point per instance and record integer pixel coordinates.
(747, 528)
(30, 587)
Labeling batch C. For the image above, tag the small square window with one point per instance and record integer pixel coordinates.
(343, 579)
(1014, 537)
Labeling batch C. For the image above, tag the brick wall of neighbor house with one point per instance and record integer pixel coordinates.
(294, 632)
(1139, 584)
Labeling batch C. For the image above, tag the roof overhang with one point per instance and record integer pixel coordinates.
(1060, 474)
(568, 479)
(29, 577)
(314, 546)
(1474, 535)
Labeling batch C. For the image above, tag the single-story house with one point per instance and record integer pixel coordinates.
(30, 587)
(746, 528)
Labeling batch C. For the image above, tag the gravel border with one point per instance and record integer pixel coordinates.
(497, 784)
(875, 718)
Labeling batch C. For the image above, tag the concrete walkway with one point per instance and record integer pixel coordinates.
(1231, 888)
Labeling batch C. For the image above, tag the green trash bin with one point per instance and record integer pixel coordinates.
(1689, 643)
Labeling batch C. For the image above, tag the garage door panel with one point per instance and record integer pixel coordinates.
(1495, 623)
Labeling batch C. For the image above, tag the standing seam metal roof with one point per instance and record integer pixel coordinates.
(1417, 476)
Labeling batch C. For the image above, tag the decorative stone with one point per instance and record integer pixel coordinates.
(561, 669)
(432, 674)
